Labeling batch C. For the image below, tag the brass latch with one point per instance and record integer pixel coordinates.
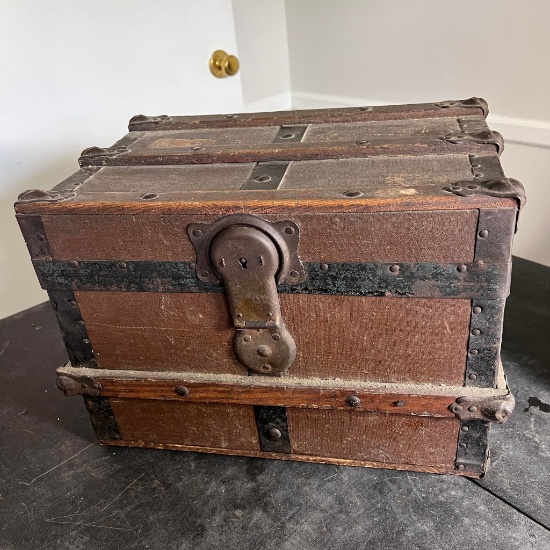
(251, 256)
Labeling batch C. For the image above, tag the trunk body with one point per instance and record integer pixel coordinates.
(324, 286)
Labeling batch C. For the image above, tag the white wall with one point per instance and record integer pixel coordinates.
(395, 51)
(73, 72)
(260, 27)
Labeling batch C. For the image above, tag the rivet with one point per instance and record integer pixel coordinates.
(81, 322)
(461, 268)
(473, 187)
(121, 265)
(263, 179)
(93, 361)
(394, 268)
(324, 267)
(483, 233)
(247, 338)
(73, 303)
(472, 376)
(192, 266)
(230, 116)
(294, 274)
(353, 401)
(476, 332)
(267, 368)
(477, 309)
(48, 258)
(73, 263)
(86, 341)
(476, 165)
(473, 408)
(362, 142)
(461, 466)
(478, 175)
(399, 403)
(205, 273)
(464, 428)
(287, 136)
(149, 196)
(274, 433)
(474, 352)
(479, 262)
(269, 314)
(456, 188)
(116, 437)
(182, 390)
(264, 351)
(196, 148)
(238, 315)
(352, 194)
(40, 237)
(197, 232)
(365, 109)
(289, 230)
(276, 337)
(462, 445)
(83, 386)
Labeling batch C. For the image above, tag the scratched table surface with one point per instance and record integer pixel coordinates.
(60, 490)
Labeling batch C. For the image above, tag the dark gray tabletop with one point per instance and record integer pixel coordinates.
(60, 490)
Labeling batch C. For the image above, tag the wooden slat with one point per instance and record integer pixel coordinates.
(313, 116)
(407, 399)
(210, 425)
(421, 236)
(374, 437)
(292, 151)
(295, 457)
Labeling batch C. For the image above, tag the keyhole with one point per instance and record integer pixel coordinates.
(242, 261)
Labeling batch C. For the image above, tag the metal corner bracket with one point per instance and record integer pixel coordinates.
(71, 383)
(496, 408)
(101, 154)
(137, 121)
(40, 195)
(474, 102)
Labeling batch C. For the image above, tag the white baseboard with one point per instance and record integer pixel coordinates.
(280, 102)
(515, 130)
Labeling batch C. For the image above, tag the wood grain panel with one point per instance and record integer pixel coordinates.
(204, 425)
(149, 179)
(374, 437)
(378, 339)
(402, 174)
(419, 236)
(376, 129)
(349, 337)
(160, 332)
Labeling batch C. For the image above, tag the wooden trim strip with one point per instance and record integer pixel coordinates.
(444, 109)
(267, 202)
(273, 152)
(295, 457)
(405, 399)
(419, 280)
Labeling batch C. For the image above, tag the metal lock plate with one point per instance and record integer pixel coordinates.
(251, 256)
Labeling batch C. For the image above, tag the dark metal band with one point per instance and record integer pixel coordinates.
(472, 453)
(482, 361)
(272, 429)
(73, 329)
(483, 281)
(102, 417)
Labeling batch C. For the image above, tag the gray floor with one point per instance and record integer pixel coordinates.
(60, 490)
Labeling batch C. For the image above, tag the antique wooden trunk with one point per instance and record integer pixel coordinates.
(322, 285)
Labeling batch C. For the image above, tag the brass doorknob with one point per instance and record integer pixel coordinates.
(222, 64)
